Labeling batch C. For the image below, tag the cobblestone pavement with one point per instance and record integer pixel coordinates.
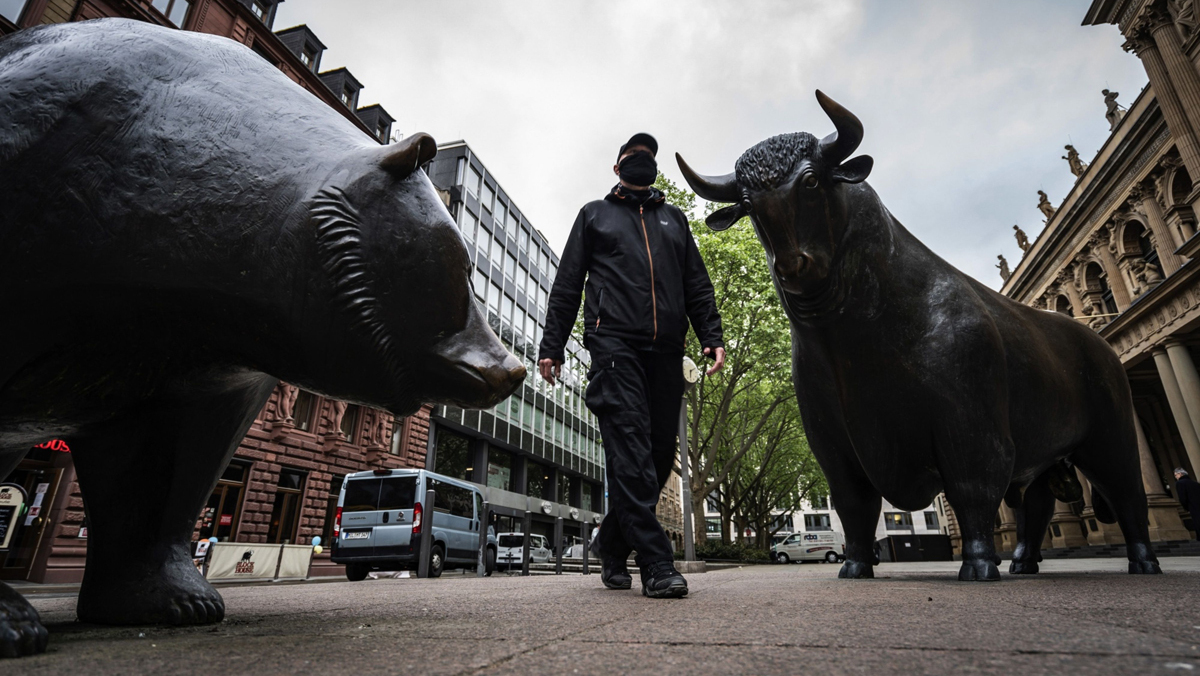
(1085, 616)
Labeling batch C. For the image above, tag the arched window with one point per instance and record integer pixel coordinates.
(1096, 282)
(1136, 241)
(1062, 305)
(1181, 185)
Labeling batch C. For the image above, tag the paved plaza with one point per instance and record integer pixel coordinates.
(1085, 616)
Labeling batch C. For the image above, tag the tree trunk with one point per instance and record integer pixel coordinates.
(701, 521)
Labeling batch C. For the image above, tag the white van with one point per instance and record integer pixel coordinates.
(512, 546)
(380, 517)
(821, 546)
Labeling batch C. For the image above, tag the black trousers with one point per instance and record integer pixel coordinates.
(635, 395)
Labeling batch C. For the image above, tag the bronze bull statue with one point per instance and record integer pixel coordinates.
(913, 378)
(183, 226)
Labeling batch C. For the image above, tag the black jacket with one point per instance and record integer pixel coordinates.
(1189, 494)
(644, 278)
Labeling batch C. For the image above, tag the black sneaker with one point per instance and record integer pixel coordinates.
(660, 580)
(614, 573)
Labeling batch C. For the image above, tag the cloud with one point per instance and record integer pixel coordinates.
(966, 105)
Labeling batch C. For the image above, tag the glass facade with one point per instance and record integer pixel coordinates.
(514, 269)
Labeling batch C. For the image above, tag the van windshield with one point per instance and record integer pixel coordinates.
(511, 541)
(369, 495)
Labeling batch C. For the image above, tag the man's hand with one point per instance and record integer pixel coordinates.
(718, 355)
(551, 369)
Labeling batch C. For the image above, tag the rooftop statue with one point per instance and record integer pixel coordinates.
(195, 226)
(1022, 239)
(1045, 207)
(1113, 112)
(913, 378)
(1077, 165)
(1005, 273)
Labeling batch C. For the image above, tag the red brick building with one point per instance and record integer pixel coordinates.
(283, 481)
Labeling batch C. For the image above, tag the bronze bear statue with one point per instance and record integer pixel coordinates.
(196, 226)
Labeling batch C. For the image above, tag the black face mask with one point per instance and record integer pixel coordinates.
(638, 168)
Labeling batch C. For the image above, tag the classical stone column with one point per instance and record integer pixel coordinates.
(1091, 525)
(1067, 280)
(1117, 281)
(1182, 71)
(1065, 527)
(1006, 534)
(1143, 43)
(1189, 388)
(1179, 412)
(1158, 225)
(1163, 514)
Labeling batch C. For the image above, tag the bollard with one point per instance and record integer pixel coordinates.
(689, 541)
(484, 517)
(426, 534)
(526, 525)
(558, 545)
(587, 547)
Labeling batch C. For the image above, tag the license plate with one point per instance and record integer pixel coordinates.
(358, 535)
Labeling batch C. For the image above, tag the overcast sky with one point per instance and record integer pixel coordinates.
(966, 104)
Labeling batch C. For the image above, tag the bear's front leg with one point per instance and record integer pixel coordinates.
(145, 477)
(21, 630)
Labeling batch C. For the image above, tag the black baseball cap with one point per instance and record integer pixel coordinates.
(640, 139)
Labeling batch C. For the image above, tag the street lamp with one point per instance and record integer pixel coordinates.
(691, 375)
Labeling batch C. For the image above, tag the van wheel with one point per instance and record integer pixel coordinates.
(489, 565)
(782, 558)
(831, 557)
(437, 561)
(356, 572)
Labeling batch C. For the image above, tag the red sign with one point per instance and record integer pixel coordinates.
(55, 445)
(226, 519)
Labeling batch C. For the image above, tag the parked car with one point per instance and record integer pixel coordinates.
(822, 546)
(510, 548)
(380, 518)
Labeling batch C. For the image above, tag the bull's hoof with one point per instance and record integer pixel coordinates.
(21, 630)
(184, 598)
(978, 570)
(1023, 567)
(1144, 568)
(854, 570)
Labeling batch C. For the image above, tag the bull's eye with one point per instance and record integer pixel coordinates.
(809, 181)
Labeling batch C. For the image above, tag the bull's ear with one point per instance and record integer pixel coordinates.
(722, 219)
(854, 170)
(403, 157)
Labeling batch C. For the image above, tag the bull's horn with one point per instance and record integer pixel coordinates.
(838, 145)
(712, 188)
(405, 156)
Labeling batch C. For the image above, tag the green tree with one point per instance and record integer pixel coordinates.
(747, 448)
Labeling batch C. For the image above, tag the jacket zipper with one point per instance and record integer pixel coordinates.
(650, 257)
(599, 306)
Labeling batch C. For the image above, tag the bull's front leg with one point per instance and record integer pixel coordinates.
(857, 505)
(976, 465)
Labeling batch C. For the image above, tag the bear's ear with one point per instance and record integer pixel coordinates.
(405, 156)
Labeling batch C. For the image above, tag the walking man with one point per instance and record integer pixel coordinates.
(644, 279)
(1189, 496)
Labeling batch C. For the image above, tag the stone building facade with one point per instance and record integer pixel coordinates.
(282, 483)
(1118, 254)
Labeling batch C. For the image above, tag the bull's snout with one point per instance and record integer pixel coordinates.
(792, 271)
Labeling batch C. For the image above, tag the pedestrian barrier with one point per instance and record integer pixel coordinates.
(245, 561)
